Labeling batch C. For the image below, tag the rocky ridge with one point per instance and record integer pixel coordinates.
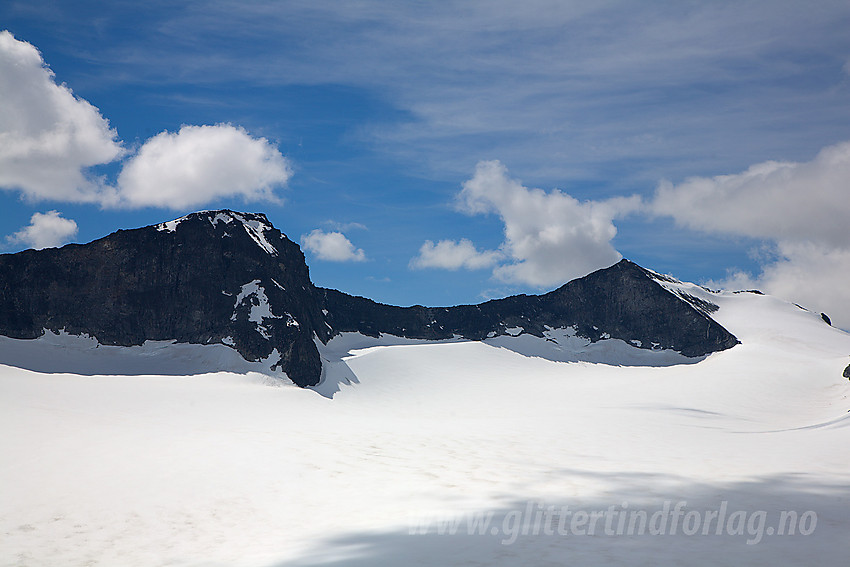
(233, 278)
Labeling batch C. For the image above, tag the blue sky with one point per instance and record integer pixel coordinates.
(446, 152)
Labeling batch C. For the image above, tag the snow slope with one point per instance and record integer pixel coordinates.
(239, 469)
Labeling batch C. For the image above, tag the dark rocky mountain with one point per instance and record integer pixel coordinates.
(624, 302)
(212, 277)
(232, 278)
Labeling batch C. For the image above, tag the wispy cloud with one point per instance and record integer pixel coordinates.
(558, 90)
(344, 226)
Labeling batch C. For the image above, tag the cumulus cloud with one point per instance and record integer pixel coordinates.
(777, 200)
(201, 164)
(813, 275)
(46, 230)
(550, 237)
(452, 255)
(50, 140)
(332, 246)
(800, 207)
(48, 137)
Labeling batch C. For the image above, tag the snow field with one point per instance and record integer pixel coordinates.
(241, 469)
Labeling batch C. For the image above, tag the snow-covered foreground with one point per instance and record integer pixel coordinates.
(237, 469)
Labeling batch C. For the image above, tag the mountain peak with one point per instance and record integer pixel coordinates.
(232, 278)
(215, 216)
(256, 225)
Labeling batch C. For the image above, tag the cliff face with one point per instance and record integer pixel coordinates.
(232, 278)
(213, 277)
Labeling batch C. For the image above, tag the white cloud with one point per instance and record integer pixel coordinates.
(202, 164)
(48, 137)
(777, 200)
(49, 140)
(802, 208)
(451, 255)
(332, 246)
(560, 90)
(550, 237)
(813, 275)
(46, 230)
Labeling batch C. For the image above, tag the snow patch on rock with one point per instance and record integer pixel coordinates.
(256, 230)
(170, 226)
(260, 307)
(697, 296)
(254, 227)
(221, 217)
